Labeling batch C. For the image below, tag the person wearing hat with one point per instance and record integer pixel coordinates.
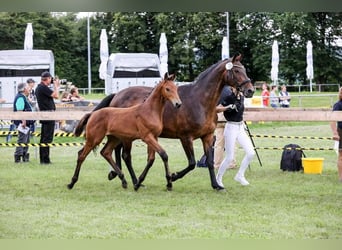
(45, 99)
(21, 103)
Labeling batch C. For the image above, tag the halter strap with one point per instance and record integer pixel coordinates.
(239, 85)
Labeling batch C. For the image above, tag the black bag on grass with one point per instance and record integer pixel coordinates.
(291, 159)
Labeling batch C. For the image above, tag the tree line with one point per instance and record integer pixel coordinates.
(193, 41)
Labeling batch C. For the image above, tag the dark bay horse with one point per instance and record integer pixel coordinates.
(124, 125)
(196, 118)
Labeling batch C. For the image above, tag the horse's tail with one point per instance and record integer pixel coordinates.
(83, 122)
(105, 102)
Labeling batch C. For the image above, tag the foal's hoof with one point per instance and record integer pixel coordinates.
(70, 186)
(112, 175)
(124, 184)
(169, 188)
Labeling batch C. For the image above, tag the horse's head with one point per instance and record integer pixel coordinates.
(170, 90)
(236, 76)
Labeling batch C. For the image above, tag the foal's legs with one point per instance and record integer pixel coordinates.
(82, 154)
(107, 151)
(154, 146)
(127, 157)
(150, 160)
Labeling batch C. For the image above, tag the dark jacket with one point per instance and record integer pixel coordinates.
(27, 108)
(228, 97)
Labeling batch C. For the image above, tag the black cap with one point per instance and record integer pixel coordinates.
(46, 74)
(30, 80)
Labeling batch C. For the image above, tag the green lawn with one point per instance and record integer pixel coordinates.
(36, 204)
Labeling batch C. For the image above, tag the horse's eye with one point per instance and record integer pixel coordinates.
(167, 89)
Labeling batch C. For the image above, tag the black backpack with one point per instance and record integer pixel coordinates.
(291, 159)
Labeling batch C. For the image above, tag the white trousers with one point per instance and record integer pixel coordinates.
(235, 132)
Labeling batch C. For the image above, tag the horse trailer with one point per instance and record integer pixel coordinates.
(16, 66)
(131, 69)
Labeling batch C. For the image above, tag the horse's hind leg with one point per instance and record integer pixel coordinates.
(187, 144)
(82, 154)
(127, 157)
(107, 151)
(117, 150)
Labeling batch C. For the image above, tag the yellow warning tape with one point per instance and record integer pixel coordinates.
(58, 134)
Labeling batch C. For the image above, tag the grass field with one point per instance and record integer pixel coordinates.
(36, 204)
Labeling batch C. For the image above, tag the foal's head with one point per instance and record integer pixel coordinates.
(236, 76)
(170, 90)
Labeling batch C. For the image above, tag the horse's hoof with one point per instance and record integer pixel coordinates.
(124, 184)
(136, 187)
(219, 188)
(70, 186)
(174, 176)
(169, 188)
(112, 175)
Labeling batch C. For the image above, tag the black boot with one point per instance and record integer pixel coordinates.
(17, 158)
(26, 157)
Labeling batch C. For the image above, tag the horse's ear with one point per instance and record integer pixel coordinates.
(169, 77)
(237, 57)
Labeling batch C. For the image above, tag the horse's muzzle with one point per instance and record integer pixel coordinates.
(248, 93)
(178, 104)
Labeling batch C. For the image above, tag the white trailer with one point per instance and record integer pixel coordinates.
(17, 66)
(131, 69)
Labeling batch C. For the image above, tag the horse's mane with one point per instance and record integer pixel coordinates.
(207, 71)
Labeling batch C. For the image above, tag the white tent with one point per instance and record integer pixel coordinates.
(104, 54)
(28, 42)
(275, 63)
(309, 62)
(225, 49)
(163, 54)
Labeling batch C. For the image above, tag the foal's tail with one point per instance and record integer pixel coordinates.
(83, 122)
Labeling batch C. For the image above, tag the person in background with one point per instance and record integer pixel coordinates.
(336, 128)
(265, 95)
(66, 96)
(21, 103)
(233, 108)
(219, 134)
(274, 99)
(45, 98)
(74, 95)
(284, 97)
(32, 99)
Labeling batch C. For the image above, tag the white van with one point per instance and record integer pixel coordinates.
(131, 69)
(17, 66)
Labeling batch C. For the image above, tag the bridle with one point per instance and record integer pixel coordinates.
(229, 67)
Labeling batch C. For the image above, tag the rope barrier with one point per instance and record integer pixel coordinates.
(282, 148)
(54, 144)
(292, 137)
